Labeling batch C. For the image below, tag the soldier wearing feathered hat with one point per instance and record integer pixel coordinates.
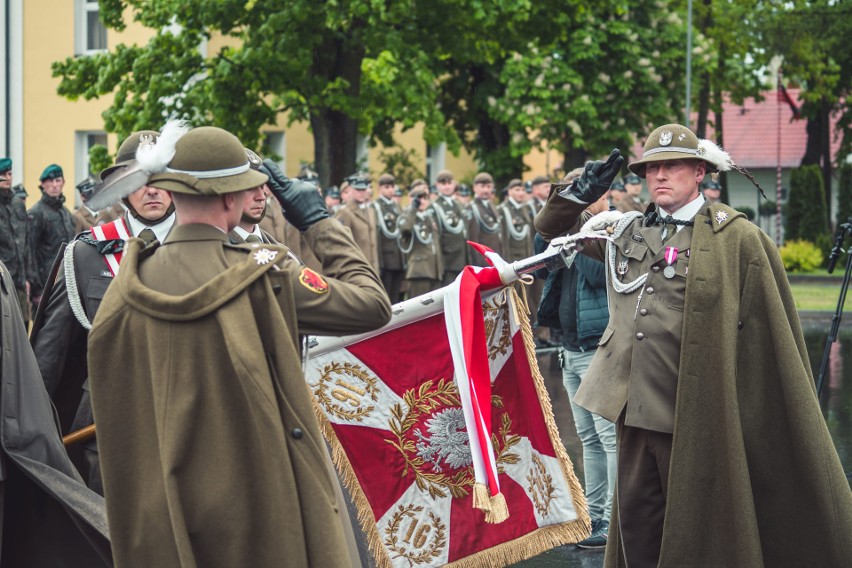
(212, 392)
(703, 368)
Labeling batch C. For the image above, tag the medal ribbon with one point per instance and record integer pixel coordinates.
(116, 230)
(671, 255)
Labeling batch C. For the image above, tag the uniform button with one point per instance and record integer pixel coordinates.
(740, 325)
(640, 336)
(650, 289)
(655, 268)
(643, 312)
(276, 288)
(297, 433)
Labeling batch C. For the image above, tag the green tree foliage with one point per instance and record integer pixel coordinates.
(807, 218)
(402, 163)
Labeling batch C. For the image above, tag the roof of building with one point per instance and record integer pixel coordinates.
(751, 132)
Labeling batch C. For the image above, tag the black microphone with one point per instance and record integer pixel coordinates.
(838, 244)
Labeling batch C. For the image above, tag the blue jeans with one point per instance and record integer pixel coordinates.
(597, 434)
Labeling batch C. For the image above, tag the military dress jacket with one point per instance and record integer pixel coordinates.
(276, 225)
(14, 249)
(484, 228)
(754, 478)
(420, 238)
(227, 465)
(387, 216)
(85, 218)
(453, 228)
(50, 226)
(362, 222)
(517, 231)
(629, 204)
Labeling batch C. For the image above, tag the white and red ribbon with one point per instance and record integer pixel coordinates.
(111, 231)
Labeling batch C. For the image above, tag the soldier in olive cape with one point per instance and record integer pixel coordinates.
(211, 453)
(723, 455)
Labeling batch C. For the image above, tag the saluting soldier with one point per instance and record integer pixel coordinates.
(517, 232)
(84, 272)
(390, 259)
(449, 213)
(361, 218)
(420, 240)
(632, 189)
(704, 370)
(211, 432)
(484, 223)
(14, 251)
(50, 226)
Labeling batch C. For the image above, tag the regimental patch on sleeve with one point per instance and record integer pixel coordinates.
(313, 281)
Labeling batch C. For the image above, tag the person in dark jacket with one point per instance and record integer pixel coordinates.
(50, 226)
(582, 317)
(13, 236)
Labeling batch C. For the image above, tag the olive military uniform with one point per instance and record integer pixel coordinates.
(390, 259)
(420, 238)
(484, 228)
(453, 227)
(517, 231)
(361, 220)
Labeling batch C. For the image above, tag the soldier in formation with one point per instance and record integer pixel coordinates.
(14, 239)
(452, 226)
(484, 222)
(360, 217)
(420, 240)
(387, 217)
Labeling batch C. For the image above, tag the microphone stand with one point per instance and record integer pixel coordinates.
(843, 231)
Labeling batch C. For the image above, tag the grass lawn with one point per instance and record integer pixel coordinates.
(813, 296)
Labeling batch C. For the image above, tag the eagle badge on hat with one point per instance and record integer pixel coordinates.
(665, 138)
(265, 256)
(253, 158)
(313, 281)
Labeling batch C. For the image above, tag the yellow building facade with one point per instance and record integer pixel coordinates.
(42, 128)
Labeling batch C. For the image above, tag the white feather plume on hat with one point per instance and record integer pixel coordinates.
(154, 157)
(709, 151)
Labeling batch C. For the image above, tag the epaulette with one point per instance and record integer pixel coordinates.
(86, 237)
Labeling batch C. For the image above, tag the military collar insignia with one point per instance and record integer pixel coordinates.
(721, 217)
(313, 281)
(681, 137)
(265, 256)
(665, 138)
(636, 237)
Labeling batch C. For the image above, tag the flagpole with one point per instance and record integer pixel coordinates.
(778, 167)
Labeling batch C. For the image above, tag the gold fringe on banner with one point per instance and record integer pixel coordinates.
(499, 511)
(481, 499)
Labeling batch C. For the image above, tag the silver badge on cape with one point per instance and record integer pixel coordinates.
(265, 256)
(721, 217)
(669, 271)
(622, 268)
(665, 138)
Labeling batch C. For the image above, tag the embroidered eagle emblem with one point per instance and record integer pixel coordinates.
(313, 281)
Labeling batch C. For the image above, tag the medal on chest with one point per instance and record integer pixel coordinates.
(671, 260)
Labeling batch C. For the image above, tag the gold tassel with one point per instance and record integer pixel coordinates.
(499, 511)
(481, 499)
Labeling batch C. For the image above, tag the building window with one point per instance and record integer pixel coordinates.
(90, 33)
(275, 148)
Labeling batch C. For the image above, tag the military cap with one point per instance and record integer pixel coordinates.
(444, 176)
(51, 172)
(358, 181)
(540, 179)
(617, 185)
(677, 142)
(464, 190)
(208, 161)
(632, 179)
(127, 151)
(711, 184)
(515, 183)
(416, 183)
(483, 177)
(332, 192)
(86, 187)
(5, 164)
(387, 179)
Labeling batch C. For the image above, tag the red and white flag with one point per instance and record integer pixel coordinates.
(395, 410)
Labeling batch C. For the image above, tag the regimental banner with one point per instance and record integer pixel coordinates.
(391, 412)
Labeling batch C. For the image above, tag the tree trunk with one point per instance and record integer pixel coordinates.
(825, 150)
(335, 132)
(703, 106)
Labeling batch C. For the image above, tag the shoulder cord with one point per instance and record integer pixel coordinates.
(444, 223)
(617, 285)
(71, 287)
(515, 234)
(382, 225)
(482, 223)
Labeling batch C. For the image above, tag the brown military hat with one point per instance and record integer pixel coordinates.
(540, 179)
(208, 161)
(127, 151)
(483, 177)
(387, 179)
(677, 142)
(515, 183)
(444, 176)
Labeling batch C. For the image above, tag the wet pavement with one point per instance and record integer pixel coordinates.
(835, 400)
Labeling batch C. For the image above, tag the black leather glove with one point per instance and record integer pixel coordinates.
(302, 203)
(597, 177)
